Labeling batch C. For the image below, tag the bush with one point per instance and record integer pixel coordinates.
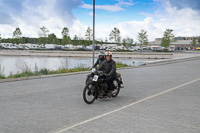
(119, 65)
(44, 71)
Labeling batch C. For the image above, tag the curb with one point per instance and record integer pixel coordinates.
(169, 61)
(41, 76)
(147, 64)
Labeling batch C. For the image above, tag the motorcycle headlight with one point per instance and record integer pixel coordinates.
(93, 69)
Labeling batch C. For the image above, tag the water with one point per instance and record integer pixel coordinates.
(16, 64)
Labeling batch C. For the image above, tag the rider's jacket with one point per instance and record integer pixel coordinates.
(99, 61)
(108, 67)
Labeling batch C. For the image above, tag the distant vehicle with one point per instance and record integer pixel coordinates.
(198, 48)
(144, 47)
(50, 46)
(88, 47)
(26, 47)
(132, 49)
(156, 48)
(171, 48)
(111, 49)
(136, 47)
(96, 47)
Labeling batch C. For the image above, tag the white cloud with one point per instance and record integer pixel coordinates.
(184, 22)
(46, 13)
(112, 8)
(125, 3)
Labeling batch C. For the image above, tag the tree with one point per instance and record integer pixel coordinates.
(106, 40)
(17, 33)
(0, 37)
(194, 41)
(75, 40)
(43, 35)
(128, 41)
(143, 37)
(66, 40)
(168, 38)
(101, 41)
(89, 34)
(198, 40)
(43, 31)
(65, 32)
(52, 39)
(115, 35)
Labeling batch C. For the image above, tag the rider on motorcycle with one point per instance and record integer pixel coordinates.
(109, 69)
(100, 59)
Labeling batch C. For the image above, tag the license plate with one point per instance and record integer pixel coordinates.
(95, 78)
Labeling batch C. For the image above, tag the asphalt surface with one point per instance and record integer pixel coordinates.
(163, 98)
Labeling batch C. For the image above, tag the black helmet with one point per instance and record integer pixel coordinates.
(101, 54)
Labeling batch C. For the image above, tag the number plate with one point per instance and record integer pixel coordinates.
(95, 78)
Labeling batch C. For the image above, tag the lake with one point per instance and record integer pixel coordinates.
(16, 64)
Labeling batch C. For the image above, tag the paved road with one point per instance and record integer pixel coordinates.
(155, 99)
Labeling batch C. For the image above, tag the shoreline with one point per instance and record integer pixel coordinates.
(149, 55)
(147, 64)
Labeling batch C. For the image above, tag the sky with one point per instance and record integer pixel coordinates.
(129, 16)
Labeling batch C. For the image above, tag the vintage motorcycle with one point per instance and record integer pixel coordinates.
(96, 86)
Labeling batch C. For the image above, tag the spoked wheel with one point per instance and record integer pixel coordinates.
(89, 93)
(89, 79)
(117, 89)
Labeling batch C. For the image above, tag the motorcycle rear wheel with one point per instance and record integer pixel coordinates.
(89, 93)
(116, 90)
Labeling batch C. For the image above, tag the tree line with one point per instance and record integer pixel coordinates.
(114, 36)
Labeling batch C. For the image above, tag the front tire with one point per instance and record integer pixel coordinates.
(89, 93)
(88, 79)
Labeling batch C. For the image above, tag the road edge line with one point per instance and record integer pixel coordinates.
(123, 107)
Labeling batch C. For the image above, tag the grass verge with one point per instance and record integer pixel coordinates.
(44, 71)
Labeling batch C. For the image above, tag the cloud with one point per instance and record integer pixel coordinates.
(10, 8)
(30, 15)
(113, 8)
(184, 22)
(125, 3)
(180, 4)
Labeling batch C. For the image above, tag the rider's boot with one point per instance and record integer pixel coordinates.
(109, 94)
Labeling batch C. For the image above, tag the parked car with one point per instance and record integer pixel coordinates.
(198, 48)
(111, 49)
(132, 49)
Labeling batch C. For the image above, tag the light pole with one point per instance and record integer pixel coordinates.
(93, 32)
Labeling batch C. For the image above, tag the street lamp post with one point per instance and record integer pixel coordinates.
(93, 32)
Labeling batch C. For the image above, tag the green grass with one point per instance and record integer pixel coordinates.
(2, 76)
(120, 65)
(44, 71)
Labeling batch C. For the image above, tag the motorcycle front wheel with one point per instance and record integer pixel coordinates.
(89, 93)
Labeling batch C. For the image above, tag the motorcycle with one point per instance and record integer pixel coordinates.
(96, 86)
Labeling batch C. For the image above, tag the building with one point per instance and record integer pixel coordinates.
(181, 42)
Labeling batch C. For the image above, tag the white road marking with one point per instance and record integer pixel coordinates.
(126, 106)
